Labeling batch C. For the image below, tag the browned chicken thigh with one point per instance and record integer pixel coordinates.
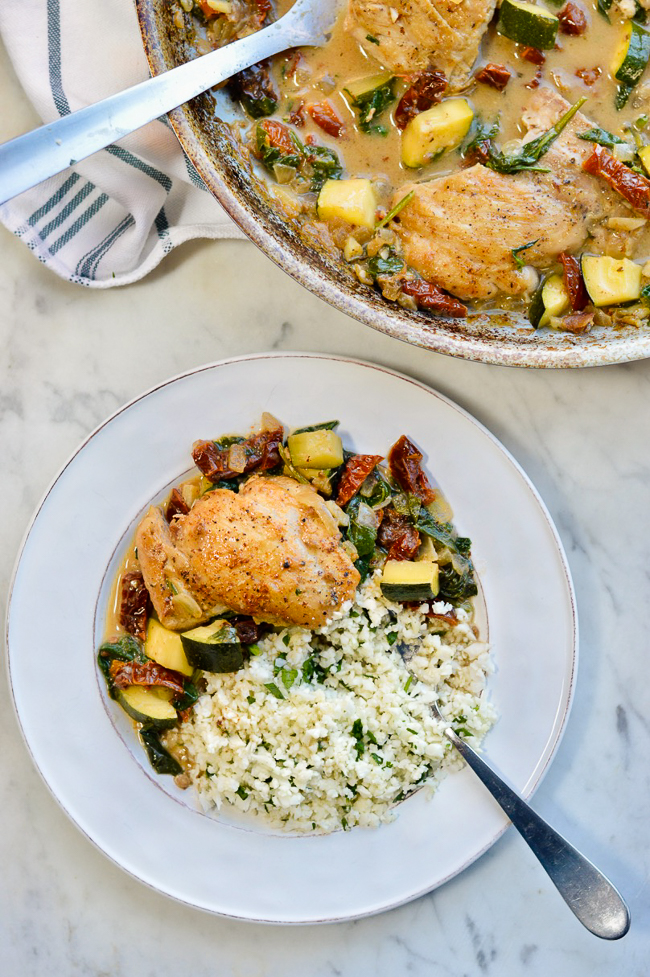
(271, 550)
(411, 35)
(459, 231)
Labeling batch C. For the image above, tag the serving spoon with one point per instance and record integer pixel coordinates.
(586, 891)
(46, 151)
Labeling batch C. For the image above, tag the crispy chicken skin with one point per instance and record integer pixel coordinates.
(440, 34)
(459, 230)
(271, 550)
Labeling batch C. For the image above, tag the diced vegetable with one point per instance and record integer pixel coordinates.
(370, 97)
(644, 156)
(143, 705)
(403, 580)
(353, 201)
(630, 60)
(440, 128)
(316, 449)
(536, 307)
(555, 298)
(214, 647)
(528, 23)
(611, 281)
(165, 647)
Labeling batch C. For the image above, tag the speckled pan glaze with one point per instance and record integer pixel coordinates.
(502, 338)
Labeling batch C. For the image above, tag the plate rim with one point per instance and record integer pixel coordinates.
(562, 721)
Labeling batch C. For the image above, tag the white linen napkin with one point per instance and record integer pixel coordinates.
(113, 217)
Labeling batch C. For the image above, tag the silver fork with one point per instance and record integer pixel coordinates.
(586, 891)
(32, 158)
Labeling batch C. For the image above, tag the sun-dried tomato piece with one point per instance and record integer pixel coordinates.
(262, 453)
(589, 75)
(534, 82)
(428, 88)
(632, 186)
(578, 322)
(533, 55)
(279, 136)
(325, 117)
(405, 462)
(397, 535)
(176, 506)
(575, 283)
(134, 605)
(355, 472)
(263, 9)
(429, 296)
(248, 631)
(496, 75)
(207, 10)
(144, 673)
(572, 19)
(254, 89)
(297, 115)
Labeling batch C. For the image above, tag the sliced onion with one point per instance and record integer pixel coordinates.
(283, 173)
(269, 423)
(237, 458)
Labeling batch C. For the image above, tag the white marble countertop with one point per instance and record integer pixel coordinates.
(68, 358)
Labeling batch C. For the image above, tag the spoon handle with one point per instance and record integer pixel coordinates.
(586, 891)
(46, 151)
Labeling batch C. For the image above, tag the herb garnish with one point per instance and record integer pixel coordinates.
(526, 158)
(395, 211)
(516, 252)
(600, 136)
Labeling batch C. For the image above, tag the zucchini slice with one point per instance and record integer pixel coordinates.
(315, 449)
(630, 59)
(146, 707)
(528, 23)
(536, 307)
(353, 201)
(214, 647)
(404, 580)
(644, 156)
(165, 647)
(611, 281)
(438, 129)
(366, 86)
(555, 298)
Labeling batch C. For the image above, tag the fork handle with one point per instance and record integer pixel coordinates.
(586, 891)
(46, 151)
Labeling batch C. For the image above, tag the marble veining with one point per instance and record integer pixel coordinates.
(68, 358)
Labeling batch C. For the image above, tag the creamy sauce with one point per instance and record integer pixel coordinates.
(324, 72)
(578, 67)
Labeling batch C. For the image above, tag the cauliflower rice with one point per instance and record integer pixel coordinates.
(330, 728)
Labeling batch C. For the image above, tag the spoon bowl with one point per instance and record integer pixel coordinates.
(587, 892)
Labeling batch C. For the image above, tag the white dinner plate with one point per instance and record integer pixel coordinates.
(90, 759)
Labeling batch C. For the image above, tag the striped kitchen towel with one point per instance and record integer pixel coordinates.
(113, 217)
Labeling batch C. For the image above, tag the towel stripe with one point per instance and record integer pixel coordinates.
(139, 164)
(79, 223)
(54, 57)
(85, 191)
(54, 200)
(87, 266)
